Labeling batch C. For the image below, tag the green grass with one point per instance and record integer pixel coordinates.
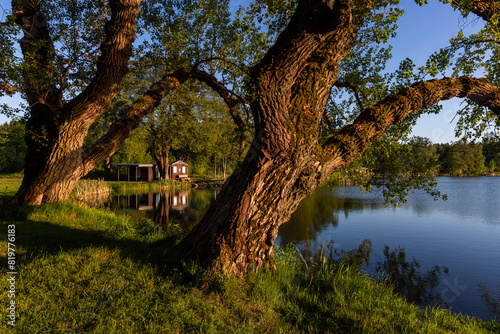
(89, 189)
(147, 186)
(83, 270)
(9, 186)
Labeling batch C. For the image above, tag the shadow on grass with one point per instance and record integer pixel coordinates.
(34, 237)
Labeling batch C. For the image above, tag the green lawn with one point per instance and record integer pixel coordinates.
(9, 187)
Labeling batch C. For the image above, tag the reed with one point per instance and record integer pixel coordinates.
(88, 190)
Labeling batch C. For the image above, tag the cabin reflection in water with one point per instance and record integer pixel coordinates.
(177, 201)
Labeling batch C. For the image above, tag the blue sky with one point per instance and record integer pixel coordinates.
(422, 30)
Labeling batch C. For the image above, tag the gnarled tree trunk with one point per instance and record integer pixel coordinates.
(56, 129)
(285, 162)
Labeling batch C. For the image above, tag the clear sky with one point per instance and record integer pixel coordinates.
(422, 30)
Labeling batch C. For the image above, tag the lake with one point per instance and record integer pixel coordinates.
(461, 234)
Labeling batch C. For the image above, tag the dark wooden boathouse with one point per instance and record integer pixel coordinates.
(137, 172)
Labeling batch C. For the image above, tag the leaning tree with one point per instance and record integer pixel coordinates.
(287, 88)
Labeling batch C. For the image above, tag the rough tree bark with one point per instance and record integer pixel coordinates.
(55, 130)
(285, 162)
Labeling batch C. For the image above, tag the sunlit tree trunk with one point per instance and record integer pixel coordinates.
(56, 128)
(285, 162)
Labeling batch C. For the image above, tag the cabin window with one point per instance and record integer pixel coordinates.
(175, 169)
(183, 169)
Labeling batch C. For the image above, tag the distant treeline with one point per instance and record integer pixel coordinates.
(458, 158)
(471, 159)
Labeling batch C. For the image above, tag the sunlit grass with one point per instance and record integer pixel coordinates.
(148, 186)
(9, 186)
(87, 190)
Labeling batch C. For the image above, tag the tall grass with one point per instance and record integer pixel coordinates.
(91, 190)
(148, 186)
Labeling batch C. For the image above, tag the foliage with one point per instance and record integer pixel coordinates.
(464, 158)
(136, 149)
(12, 147)
(491, 151)
(397, 168)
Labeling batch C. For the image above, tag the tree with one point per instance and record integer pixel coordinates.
(136, 148)
(12, 147)
(286, 161)
(491, 151)
(315, 45)
(169, 125)
(465, 159)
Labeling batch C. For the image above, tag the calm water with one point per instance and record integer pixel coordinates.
(462, 233)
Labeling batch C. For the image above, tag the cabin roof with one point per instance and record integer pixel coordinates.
(149, 164)
(146, 164)
(177, 162)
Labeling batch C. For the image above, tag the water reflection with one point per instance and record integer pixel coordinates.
(181, 208)
(321, 210)
(461, 233)
(405, 276)
(491, 298)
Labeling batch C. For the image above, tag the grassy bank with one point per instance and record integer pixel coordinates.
(89, 187)
(147, 186)
(82, 270)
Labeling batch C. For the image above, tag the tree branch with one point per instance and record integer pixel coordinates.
(355, 89)
(309, 27)
(39, 54)
(206, 60)
(224, 93)
(9, 88)
(112, 64)
(131, 119)
(353, 139)
(485, 9)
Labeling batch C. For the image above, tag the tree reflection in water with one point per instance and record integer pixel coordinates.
(171, 211)
(315, 213)
(489, 298)
(407, 280)
(396, 270)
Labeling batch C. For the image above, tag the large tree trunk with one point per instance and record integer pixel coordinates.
(52, 162)
(238, 231)
(55, 129)
(285, 162)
